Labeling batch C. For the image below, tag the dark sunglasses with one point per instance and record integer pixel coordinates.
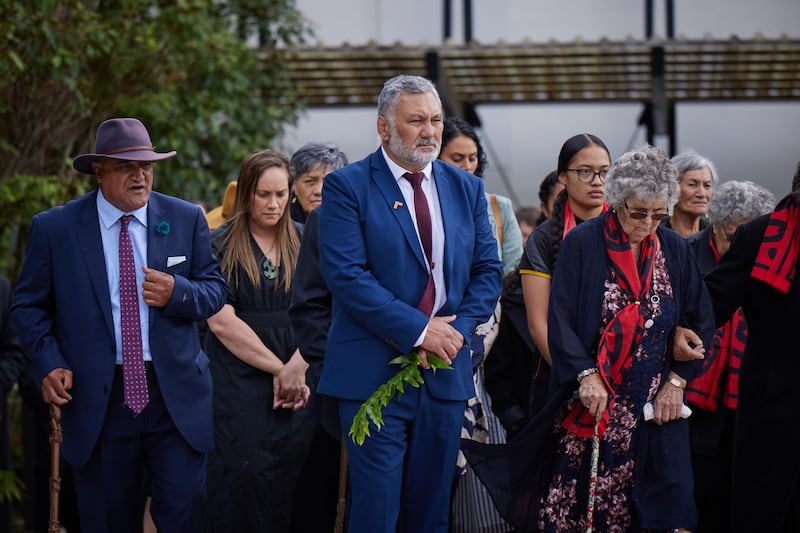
(638, 215)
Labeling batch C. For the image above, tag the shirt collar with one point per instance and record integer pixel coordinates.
(398, 171)
(109, 214)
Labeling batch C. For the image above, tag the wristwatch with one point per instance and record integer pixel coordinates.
(675, 381)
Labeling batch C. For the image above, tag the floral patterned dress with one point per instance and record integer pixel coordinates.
(564, 504)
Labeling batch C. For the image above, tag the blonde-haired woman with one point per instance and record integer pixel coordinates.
(261, 433)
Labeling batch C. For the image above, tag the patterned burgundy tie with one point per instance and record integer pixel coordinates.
(423, 214)
(133, 372)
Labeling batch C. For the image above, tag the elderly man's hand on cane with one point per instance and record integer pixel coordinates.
(56, 386)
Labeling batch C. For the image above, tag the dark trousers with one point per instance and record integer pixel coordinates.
(713, 467)
(401, 476)
(131, 449)
(317, 491)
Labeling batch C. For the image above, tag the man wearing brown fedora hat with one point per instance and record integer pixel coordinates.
(106, 305)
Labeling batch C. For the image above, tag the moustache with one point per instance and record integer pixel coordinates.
(427, 142)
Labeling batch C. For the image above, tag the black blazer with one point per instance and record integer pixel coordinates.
(767, 434)
(311, 301)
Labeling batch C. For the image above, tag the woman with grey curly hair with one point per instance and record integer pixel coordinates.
(713, 394)
(615, 438)
(311, 163)
(734, 203)
(697, 178)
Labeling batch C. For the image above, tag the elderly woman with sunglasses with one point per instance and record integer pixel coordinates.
(620, 288)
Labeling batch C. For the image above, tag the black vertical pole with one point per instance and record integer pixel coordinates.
(647, 113)
(671, 126)
(448, 20)
(467, 21)
(670, 6)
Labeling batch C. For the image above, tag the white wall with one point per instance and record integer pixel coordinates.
(747, 140)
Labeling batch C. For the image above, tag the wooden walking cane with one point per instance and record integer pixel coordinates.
(55, 466)
(341, 504)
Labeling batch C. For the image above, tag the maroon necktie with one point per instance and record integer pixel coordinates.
(133, 374)
(423, 214)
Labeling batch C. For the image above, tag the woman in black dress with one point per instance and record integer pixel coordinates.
(261, 430)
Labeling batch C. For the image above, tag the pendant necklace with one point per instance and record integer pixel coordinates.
(654, 301)
(268, 268)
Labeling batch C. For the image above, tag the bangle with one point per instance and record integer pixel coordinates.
(587, 372)
(677, 382)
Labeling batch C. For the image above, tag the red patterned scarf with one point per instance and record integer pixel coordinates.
(623, 333)
(777, 257)
(724, 356)
(569, 218)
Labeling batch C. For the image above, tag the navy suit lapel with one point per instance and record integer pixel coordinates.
(444, 189)
(395, 202)
(91, 247)
(157, 244)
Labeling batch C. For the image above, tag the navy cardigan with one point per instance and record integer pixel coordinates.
(663, 487)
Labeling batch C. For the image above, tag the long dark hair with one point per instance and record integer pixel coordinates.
(456, 127)
(569, 150)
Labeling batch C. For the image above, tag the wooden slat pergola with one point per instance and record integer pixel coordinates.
(612, 71)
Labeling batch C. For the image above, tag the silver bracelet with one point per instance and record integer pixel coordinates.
(587, 372)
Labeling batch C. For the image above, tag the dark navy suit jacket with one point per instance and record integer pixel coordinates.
(376, 271)
(62, 309)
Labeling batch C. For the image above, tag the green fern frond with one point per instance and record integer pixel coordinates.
(370, 410)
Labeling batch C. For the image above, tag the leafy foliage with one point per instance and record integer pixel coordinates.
(11, 486)
(370, 410)
(21, 197)
(207, 77)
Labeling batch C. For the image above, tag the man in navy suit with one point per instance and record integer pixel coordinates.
(67, 307)
(395, 289)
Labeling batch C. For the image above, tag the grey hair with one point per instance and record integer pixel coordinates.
(691, 160)
(310, 155)
(644, 174)
(738, 202)
(403, 84)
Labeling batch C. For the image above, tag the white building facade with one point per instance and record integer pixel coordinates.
(747, 140)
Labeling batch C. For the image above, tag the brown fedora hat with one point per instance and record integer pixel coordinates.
(120, 138)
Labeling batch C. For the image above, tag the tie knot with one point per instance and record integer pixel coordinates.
(125, 220)
(415, 178)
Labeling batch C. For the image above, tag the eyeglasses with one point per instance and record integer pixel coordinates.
(641, 215)
(586, 175)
